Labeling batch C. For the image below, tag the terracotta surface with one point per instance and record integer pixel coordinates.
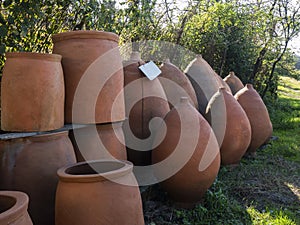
(176, 85)
(257, 112)
(233, 82)
(109, 196)
(222, 83)
(145, 100)
(32, 92)
(192, 147)
(238, 130)
(30, 164)
(93, 75)
(13, 208)
(101, 141)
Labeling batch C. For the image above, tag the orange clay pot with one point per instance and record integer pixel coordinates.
(98, 192)
(176, 84)
(30, 164)
(233, 82)
(101, 141)
(257, 112)
(32, 92)
(93, 75)
(13, 208)
(189, 147)
(238, 130)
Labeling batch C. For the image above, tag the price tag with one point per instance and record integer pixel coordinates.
(151, 70)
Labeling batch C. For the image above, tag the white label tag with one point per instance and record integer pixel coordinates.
(151, 70)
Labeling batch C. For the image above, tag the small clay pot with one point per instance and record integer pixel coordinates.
(32, 92)
(101, 141)
(13, 208)
(98, 192)
(257, 113)
(233, 82)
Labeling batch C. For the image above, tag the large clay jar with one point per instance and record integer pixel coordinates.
(30, 165)
(93, 75)
(257, 112)
(101, 192)
(238, 130)
(145, 99)
(233, 82)
(32, 92)
(101, 141)
(186, 155)
(176, 84)
(13, 208)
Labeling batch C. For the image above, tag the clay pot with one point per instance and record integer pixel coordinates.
(188, 153)
(101, 141)
(98, 192)
(238, 130)
(257, 112)
(32, 92)
(30, 165)
(222, 83)
(233, 82)
(145, 99)
(13, 208)
(176, 84)
(93, 76)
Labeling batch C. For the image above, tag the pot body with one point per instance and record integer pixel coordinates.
(13, 208)
(98, 192)
(101, 141)
(233, 82)
(32, 92)
(30, 164)
(257, 113)
(93, 76)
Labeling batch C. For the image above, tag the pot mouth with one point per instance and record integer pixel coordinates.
(34, 55)
(95, 170)
(13, 204)
(85, 34)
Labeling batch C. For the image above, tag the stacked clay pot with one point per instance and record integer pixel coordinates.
(13, 208)
(257, 113)
(186, 155)
(98, 192)
(144, 99)
(238, 129)
(233, 82)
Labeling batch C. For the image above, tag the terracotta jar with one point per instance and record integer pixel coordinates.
(145, 99)
(176, 84)
(238, 130)
(222, 83)
(98, 192)
(101, 141)
(257, 112)
(188, 153)
(234, 82)
(93, 75)
(32, 92)
(30, 165)
(13, 208)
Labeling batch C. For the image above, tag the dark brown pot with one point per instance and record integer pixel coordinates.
(233, 82)
(101, 141)
(13, 208)
(32, 92)
(189, 148)
(30, 165)
(257, 112)
(98, 193)
(238, 130)
(145, 100)
(176, 84)
(93, 75)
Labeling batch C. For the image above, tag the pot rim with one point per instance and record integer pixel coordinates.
(85, 34)
(42, 136)
(34, 55)
(88, 178)
(18, 209)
